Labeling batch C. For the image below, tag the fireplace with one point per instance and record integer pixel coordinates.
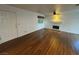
(55, 27)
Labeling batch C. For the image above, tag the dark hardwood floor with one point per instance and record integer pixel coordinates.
(42, 42)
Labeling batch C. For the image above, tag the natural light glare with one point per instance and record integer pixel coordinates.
(76, 45)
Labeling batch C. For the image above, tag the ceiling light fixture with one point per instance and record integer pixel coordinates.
(56, 18)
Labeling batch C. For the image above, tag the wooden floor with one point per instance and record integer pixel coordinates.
(42, 42)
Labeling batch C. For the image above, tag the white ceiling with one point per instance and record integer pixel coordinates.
(45, 9)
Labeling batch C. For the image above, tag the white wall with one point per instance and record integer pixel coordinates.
(48, 23)
(28, 22)
(70, 22)
(15, 22)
